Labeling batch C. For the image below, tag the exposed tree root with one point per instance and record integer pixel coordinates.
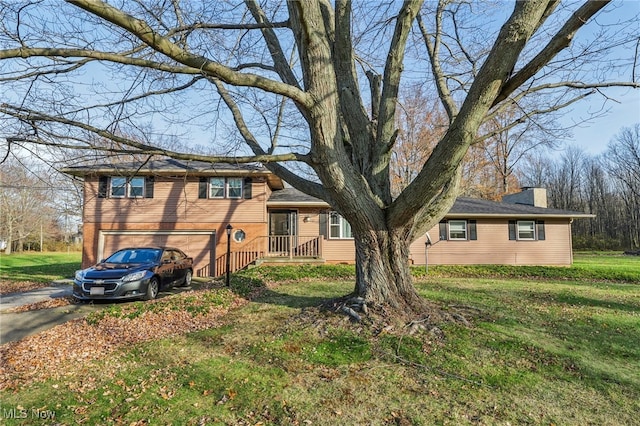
(423, 318)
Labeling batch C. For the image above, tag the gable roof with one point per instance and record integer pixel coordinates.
(173, 167)
(464, 207)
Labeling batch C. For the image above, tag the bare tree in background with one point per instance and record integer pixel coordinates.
(27, 206)
(306, 83)
(623, 160)
(421, 123)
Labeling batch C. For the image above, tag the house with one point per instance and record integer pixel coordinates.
(192, 205)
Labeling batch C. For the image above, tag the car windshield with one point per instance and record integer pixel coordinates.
(135, 256)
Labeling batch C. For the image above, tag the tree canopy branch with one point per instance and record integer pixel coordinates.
(144, 32)
(558, 42)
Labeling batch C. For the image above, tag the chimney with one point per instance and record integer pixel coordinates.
(529, 196)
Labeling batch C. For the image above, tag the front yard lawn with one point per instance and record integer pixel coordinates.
(31, 270)
(561, 352)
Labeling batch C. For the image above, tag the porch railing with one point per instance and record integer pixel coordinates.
(281, 246)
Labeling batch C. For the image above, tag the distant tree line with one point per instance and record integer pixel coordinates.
(607, 185)
(40, 208)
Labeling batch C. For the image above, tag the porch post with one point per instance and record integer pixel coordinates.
(290, 246)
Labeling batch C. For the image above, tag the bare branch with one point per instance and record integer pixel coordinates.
(438, 74)
(309, 187)
(136, 147)
(144, 32)
(557, 43)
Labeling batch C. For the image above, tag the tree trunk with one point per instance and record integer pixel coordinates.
(383, 276)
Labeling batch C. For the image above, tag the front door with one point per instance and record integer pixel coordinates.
(283, 231)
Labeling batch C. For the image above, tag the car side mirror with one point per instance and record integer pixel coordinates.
(165, 261)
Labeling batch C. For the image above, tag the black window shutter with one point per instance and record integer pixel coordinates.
(246, 188)
(103, 186)
(540, 233)
(322, 219)
(512, 229)
(473, 233)
(148, 186)
(202, 187)
(443, 230)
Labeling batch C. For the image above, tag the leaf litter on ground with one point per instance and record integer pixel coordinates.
(49, 354)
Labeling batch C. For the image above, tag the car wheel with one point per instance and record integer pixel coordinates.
(187, 279)
(152, 289)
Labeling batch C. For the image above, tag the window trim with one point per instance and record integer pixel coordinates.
(539, 232)
(225, 186)
(532, 229)
(465, 230)
(218, 187)
(470, 230)
(130, 187)
(122, 187)
(106, 186)
(340, 226)
(239, 188)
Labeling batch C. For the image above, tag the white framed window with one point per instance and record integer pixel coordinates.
(339, 227)
(220, 187)
(125, 187)
(216, 187)
(526, 230)
(457, 229)
(118, 187)
(234, 187)
(136, 187)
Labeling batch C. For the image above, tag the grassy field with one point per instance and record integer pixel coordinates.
(559, 350)
(40, 267)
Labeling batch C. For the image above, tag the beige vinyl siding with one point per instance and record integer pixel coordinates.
(494, 247)
(339, 251)
(175, 200)
(333, 250)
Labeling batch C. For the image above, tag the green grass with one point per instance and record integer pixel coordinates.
(552, 351)
(41, 267)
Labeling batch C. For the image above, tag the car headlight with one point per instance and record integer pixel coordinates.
(135, 276)
(80, 275)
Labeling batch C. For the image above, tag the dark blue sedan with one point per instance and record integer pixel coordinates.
(134, 273)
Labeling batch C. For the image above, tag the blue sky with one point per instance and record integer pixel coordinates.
(594, 135)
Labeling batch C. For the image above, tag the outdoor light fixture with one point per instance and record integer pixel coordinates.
(229, 228)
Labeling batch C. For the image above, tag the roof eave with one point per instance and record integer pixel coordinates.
(294, 204)
(521, 215)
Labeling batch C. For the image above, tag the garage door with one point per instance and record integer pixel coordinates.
(198, 244)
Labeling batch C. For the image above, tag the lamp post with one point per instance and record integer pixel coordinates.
(229, 228)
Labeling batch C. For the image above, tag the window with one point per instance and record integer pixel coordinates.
(123, 187)
(338, 226)
(216, 187)
(136, 187)
(458, 230)
(239, 235)
(234, 187)
(526, 230)
(118, 187)
(221, 187)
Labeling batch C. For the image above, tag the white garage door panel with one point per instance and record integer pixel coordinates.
(198, 246)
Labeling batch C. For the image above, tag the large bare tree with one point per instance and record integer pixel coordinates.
(311, 87)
